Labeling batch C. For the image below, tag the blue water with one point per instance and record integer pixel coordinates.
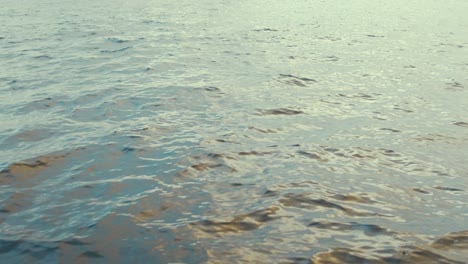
(233, 132)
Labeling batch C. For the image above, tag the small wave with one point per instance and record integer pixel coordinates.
(279, 111)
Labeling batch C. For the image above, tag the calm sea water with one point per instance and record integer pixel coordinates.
(219, 131)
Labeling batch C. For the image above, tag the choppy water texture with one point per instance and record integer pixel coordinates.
(234, 131)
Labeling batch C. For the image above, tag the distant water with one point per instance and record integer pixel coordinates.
(233, 131)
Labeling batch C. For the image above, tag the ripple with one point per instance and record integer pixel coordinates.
(448, 189)
(116, 50)
(261, 130)
(246, 222)
(295, 80)
(461, 124)
(279, 111)
(303, 201)
(142, 131)
(369, 230)
(22, 174)
(376, 158)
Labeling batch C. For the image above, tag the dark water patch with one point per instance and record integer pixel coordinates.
(270, 193)
(22, 171)
(330, 149)
(90, 255)
(403, 110)
(24, 251)
(22, 174)
(450, 189)
(117, 40)
(303, 201)
(149, 214)
(75, 242)
(455, 86)
(391, 130)
(295, 80)
(376, 159)
(379, 116)
(151, 106)
(38, 105)
(452, 45)
(455, 240)
(225, 141)
(312, 155)
(161, 208)
(332, 58)
(344, 256)
(225, 227)
(279, 111)
(128, 149)
(409, 67)
(440, 173)
(215, 156)
(262, 216)
(329, 38)
(419, 190)
(367, 229)
(422, 256)
(123, 239)
(436, 137)
(9, 246)
(359, 96)
(245, 222)
(297, 260)
(261, 130)
(265, 29)
(43, 57)
(205, 166)
(448, 249)
(205, 163)
(461, 124)
(330, 102)
(17, 202)
(298, 78)
(300, 186)
(390, 153)
(375, 36)
(151, 21)
(212, 89)
(254, 153)
(132, 137)
(354, 198)
(115, 51)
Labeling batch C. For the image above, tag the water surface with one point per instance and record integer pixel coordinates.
(233, 131)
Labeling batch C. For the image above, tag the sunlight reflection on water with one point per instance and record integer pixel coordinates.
(228, 132)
